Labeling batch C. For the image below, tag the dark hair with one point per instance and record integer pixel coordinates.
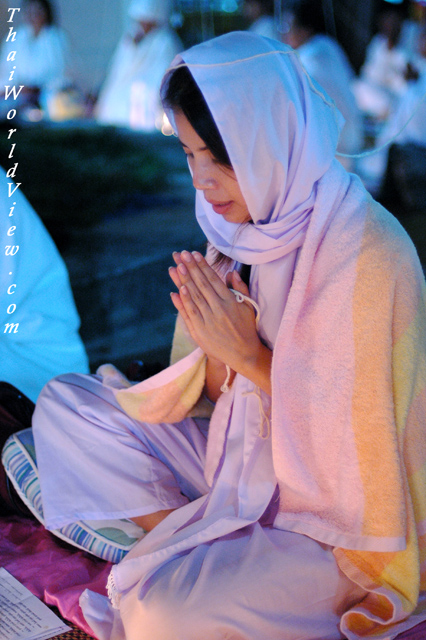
(47, 6)
(267, 7)
(183, 94)
(309, 14)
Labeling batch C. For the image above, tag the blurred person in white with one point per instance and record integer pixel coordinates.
(412, 103)
(383, 76)
(405, 125)
(42, 58)
(326, 62)
(40, 337)
(260, 14)
(130, 94)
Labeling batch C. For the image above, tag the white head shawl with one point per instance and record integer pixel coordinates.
(155, 10)
(280, 130)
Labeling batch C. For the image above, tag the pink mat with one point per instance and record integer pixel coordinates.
(58, 573)
(417, 633)
(52, 570)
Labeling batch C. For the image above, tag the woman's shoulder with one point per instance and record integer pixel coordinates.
(382, 237)
(362, 231)
(23, 33)
(54, 32)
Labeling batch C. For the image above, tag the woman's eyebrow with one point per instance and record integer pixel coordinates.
(186, 146)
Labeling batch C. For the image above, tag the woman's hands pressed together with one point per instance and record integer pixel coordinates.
(220, 325)
(224, 328)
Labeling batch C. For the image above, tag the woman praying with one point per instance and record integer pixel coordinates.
(278, 465)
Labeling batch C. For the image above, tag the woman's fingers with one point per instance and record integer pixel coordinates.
(184, 301)
(223, 327)
(203, 276)
(178, 277)
(210, 274)
(174, 275)
(205, 292)
(190, 300)
(188, 272)
(180, 307)
(182, 278)
(175, 297)
(195, 300)
(233, 281)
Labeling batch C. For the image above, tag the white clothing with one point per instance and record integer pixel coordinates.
(381, 80)
(409, 38)
(155, 10)
(164, 468)
(41, 61)
(46, 342)
(326, 62)
(265, 26)
(130, 94)
(411, 105)
(406, 124)
(420, 65)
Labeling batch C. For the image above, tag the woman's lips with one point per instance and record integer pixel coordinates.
(221, 207)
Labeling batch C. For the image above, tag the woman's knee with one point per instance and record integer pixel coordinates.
(159, 619)
(60, 388)
(167, 613)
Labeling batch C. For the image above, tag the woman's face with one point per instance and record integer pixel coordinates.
(36, 15)
(218, 183)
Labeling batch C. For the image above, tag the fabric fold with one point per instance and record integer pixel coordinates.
(166, 397)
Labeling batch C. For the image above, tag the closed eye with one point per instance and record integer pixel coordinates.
(184, 147)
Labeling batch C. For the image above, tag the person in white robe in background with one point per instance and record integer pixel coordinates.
(406, 124)
(129, 96)
(382, 78)
(42, 58)
(260, 14)
(40, 336)
(326, 62)
(408, 121)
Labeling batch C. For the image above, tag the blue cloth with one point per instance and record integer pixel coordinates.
(39, 337)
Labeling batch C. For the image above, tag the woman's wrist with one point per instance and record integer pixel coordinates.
(215, 377)
(256, 366)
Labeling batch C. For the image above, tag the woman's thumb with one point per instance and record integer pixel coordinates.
(236, 283)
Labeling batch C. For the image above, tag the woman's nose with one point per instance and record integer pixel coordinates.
(203, 176)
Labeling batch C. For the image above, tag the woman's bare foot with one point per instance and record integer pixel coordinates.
(151, 520)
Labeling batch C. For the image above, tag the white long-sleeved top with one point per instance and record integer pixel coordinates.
(410, 111)
(34, 278)
(130, 94)
(40, 60)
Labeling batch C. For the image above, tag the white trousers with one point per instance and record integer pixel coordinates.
(257, 583)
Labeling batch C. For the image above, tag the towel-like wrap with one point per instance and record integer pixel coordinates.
(349, 407)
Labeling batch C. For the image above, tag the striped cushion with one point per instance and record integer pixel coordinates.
(106, 539)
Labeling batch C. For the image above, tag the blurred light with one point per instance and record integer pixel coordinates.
(229, 6)
(395, 1)
(34, 115)
(166, 127)
(176, 20)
